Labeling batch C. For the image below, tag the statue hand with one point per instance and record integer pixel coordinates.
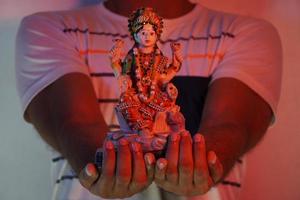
(177, 54)
(115, 52)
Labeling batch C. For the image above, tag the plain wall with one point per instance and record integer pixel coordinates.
(273, 166)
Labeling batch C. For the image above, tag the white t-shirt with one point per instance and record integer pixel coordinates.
(215, 44)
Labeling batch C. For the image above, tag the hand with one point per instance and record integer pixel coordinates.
(176, 121)
(187, 169)
(123, 174)
(124, 83)
(177, 54)
(115, 52)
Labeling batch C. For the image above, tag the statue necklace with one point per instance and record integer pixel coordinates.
(146, 67)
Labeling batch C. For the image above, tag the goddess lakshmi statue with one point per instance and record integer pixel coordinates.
(147, 97)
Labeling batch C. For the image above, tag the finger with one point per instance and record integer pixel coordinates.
(124, 166)
(202, 178)
(186, 163)
(150, 166)
(200, 160)
(106, 181)
(179, 57)
(215, 166)
(172, 158)
(139, 174)
(88, 175)
(160, 171)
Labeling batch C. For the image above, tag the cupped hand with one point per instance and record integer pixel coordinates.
(188, 169)
(124, 172)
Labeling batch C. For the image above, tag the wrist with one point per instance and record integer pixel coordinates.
(78, 143)
(227, 142)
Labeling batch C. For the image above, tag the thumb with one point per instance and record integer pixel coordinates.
(88, 175)
(150, 166)
(215, 167)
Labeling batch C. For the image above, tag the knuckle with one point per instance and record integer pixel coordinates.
(105, 195)
(84, 184)
(201, 180)
(124, 173)
(137, 186)
(123, 177)
(185, 191)
(98, 191)
(172, 178)
(198, 191)
(185, 179)
(203, 188)
(186, 168)
(172, 169)
(200, 174)
(105, 176)
(188, 191)
(141, 182)
(127, 194)
(159, 178)
(121, 181)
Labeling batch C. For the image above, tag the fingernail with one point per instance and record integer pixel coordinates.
(135, 147)
(149, 159)
(123, 142)
(109, 145)
(197, 138)
(90, 169)
(184, 133)
(212, 157)
(161, 165)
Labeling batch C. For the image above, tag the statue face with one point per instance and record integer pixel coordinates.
(146, 37)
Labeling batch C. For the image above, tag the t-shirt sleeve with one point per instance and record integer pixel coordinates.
(44, 53)
(254, 57)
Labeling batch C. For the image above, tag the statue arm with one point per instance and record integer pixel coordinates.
(176, 56)
(115, 57)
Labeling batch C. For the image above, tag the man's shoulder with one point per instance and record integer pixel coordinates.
(63, 17)
(234, 22)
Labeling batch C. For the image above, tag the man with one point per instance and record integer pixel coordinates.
(63, 74)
